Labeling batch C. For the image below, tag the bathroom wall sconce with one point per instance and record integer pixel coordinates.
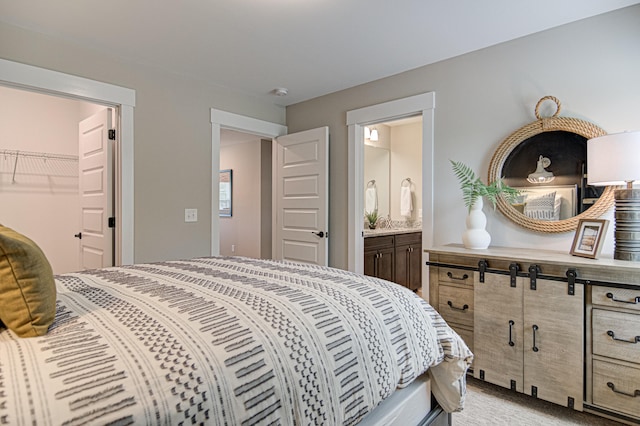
(541, 175)
(371, 134)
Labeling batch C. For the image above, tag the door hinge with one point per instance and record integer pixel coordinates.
(112, 222)
(112, 134)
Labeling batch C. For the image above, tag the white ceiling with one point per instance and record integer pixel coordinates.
(310, 47)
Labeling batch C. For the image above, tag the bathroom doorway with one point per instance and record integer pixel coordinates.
(419, 105)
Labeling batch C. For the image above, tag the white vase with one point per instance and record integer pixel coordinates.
(476, 237)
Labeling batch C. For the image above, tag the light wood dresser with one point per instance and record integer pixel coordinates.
(554, 326)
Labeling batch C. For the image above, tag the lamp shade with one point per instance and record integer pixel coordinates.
(613, 159)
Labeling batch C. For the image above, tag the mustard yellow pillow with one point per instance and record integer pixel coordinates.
(27, 287)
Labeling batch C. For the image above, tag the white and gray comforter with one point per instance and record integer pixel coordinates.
(226, 341)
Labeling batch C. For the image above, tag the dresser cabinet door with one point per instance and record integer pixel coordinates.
(553, 342)
(497, 331)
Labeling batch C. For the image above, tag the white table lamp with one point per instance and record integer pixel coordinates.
(615, 160)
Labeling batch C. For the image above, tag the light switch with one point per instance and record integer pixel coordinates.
(190, 215)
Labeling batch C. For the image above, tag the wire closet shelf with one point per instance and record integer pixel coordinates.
(16, 162)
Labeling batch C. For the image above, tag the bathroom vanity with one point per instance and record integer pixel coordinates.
(394, 255)
(554, 326)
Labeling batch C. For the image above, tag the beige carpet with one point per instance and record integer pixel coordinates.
(487, 404)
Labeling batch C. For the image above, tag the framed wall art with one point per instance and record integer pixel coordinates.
(226, 192)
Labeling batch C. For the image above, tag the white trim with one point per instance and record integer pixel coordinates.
(228, 120)
(28, 77)
(356, 120)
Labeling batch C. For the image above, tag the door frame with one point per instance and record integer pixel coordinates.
(423, 104)
(228, 120)
(41, 80)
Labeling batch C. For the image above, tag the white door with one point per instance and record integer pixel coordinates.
(301, 186)
(96, 199)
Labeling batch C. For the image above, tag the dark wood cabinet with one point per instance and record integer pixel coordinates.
(395, 258)
(408, 268)
(379, 257)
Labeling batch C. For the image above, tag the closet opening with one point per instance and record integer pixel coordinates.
(40, 177)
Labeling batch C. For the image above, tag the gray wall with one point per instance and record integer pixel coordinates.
(172, 137)
(481, 98)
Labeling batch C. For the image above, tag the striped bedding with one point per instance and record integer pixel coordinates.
(226, 341)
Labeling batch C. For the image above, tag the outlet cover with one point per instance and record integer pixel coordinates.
(190, 215)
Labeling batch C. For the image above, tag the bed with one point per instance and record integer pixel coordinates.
(230, 341)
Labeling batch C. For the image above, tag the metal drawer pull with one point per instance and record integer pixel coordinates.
(464, 308)
(462, 278)
(511, 324)
(633, 302)
(613, 336)
(636, 393)
(535, 328)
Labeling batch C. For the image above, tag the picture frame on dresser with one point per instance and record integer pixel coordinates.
(589, 237)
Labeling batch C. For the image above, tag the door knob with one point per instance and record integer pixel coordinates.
(78, 235)
(319, 234)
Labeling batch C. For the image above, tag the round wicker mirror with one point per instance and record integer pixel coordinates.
(555, 132)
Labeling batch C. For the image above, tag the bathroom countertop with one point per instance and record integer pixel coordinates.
(393, 231)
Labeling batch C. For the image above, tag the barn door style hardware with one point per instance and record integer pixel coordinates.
(572, 274)
(482, 268)
(534, 270)
(513, 271)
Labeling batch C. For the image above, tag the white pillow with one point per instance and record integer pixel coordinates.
(542, 207)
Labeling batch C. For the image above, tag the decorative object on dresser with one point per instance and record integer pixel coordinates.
(561, 328)
(615, 160)
(564, 139)
(473, 191)
(589, 236)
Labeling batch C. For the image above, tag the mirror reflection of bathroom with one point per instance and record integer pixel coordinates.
(393, 173)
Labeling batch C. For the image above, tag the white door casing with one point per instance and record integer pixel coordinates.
(228, 120)
(301, 177)
(15, 74)
(96, 190)
(423, 104)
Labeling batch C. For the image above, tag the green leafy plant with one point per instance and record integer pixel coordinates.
(372, 217)
(472, 187)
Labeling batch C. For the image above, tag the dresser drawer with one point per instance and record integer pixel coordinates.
(616, 297)
(616, 387)
(456, 276)
(616, 335)
(455, 304)
(465, 333)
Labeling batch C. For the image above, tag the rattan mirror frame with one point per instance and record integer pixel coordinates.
(541, 125)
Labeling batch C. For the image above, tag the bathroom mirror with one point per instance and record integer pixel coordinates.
(377, 164)
(547, 161)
